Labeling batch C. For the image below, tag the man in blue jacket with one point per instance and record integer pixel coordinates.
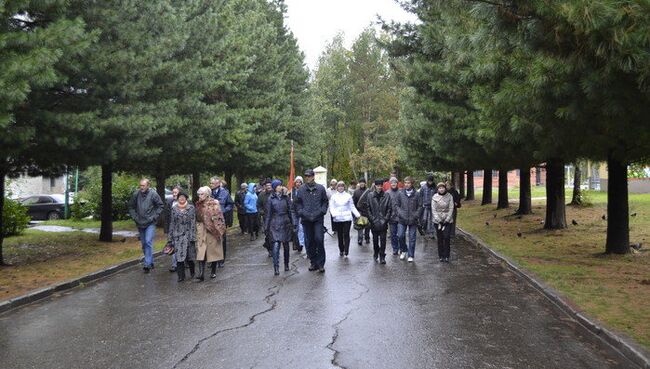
(311, 206)
(223, 196)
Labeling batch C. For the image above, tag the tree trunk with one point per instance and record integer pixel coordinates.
(618, 221)
(228, 177)
(502, 203)
(454, 183)
(525, 201)
(470, 186)
(577, 193)
(538, 176)
(555, 199)
(106, 230)
(160, 189)
(196, 183)
(3, 174)
(487, 187)
(461, 184)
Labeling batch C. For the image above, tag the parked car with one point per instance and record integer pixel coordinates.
(45, 207)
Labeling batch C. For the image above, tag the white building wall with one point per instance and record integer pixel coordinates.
(26, 185)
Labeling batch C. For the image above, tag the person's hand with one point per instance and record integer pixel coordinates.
(442, 228)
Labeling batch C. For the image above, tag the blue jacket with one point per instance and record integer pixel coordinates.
(311, 202)
(250, 201)
(223, 196)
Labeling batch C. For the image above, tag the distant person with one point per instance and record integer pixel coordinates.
(169, 203)
(426, 192)
(352, 187)
(379, 211)
(221, 194)
(311, 206)
(297, 183)
(442, 207)
(342, 209)
(252, 216)
(409, 209)
(262, 198)
(359, 193)
(330, 191)
(182, 235)
(239, 205)
(210, 228)
(145, 208)
(392, 192)
(279, 224)
(456, 195)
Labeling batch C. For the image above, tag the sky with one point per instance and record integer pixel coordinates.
(316, 22)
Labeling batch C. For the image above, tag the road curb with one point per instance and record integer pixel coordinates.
(624, 345)
(67, 285)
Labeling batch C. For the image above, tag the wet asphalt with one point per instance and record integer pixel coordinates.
(471, 313)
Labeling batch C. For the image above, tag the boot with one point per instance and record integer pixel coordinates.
(277, 270)
(191, 265)
(286, 267)
(180, 271)
(201, 276)
(213, 269)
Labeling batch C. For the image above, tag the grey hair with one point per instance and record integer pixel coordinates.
(205, 190)
(145, 180)
(215, 178)
(340, 183)
(333, 180)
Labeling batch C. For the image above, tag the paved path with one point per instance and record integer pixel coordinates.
(472, 313)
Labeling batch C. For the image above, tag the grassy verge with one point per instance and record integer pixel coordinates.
(39, 259)
(121, 225)
(615, 289)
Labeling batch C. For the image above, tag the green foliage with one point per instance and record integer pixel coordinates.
(638, 170)
(88, 201)
(14, 218)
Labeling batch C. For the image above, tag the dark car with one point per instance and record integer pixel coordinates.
(44, 207)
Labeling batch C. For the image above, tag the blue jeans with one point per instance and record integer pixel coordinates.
(146, 238)
(314, 240)
(401, 233)
(174, 262)
(394, 239)
(276, 253)
(301, 234)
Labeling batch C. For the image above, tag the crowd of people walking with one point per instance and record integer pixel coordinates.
(197, 237)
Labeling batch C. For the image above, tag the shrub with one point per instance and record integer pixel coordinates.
(88, 202)
(14, 218)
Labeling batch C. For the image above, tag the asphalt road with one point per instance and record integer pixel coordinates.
(472, 313)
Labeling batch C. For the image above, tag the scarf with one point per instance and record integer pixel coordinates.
(209, 213)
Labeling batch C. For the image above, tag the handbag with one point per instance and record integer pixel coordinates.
(169, 249)
(361, 223)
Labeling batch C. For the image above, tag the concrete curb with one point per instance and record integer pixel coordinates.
(49, 291)
(630, 350)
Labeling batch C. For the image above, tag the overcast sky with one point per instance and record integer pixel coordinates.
(316, 22)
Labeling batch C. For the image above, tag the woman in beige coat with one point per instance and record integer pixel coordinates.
(442, 212)
(210, 228)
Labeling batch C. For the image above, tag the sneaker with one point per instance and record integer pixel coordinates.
(345, 256)
(441, 260)
(382, 260)
(395, 253)
(410, 259)
(376, 258)
(446, 260)
(321, 270)
(402, 256)
(146, 270)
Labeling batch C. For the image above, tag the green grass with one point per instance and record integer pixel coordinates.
(612, 288)
(120, 225)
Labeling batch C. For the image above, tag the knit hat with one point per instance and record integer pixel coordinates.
(393, 180)
(275, 183)
(299, 178)
(379, 182)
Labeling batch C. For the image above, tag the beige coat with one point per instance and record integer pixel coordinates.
(207, 246)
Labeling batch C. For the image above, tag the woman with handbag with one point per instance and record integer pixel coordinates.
(210, 228)
(279, 224)
(341, 209)
(182, 235)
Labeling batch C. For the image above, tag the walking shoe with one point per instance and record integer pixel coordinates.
(395, 253)
(410, 259)
(368, 241)
(402, 256)
(340, 254)
(313, 268)
(375, 257)
(213, 275)
(360, 242)
(345, 256)
(146, 270)
(446, 260)
(382, 260)
(321, 270)
(172, 270)
(286, 268)
(441, 260)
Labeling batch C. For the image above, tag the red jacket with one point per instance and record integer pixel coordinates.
(386, 186)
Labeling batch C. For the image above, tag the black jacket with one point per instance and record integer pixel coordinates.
(311, 202)
(145, 209)
(239, 201)
(409, 208)
(360, 201)
(456, 195)
(379, 210)
(394, 218)
(279, 218)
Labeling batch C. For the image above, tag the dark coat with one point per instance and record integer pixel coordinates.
(223, 196)
(145, 209)
(311, 202)
(394, 217)
(409, 208)
(360, 201)
(279, 218)
(239, 201)
(456, 195)
(262, 198)
(379, 210)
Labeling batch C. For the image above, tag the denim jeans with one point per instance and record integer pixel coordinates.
(314, 240)
(301, 234)
(174, 262)
(276, 253)
(394, 239)
(401, 232)
(146, 238)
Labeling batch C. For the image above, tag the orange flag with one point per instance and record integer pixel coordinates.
(292, 170)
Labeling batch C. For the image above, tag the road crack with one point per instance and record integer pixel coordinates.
(336, 326)
(272, 291)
